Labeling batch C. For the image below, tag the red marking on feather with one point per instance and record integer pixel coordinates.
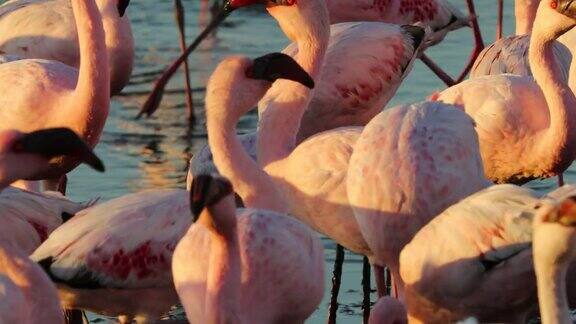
(143, 262)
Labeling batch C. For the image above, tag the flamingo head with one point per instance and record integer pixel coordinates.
(554, 18)
(122, 5)
(215, 195)
(238, 83)
(565, 7)
(554, 226)
(23, 156)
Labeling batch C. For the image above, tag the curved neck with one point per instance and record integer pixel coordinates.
(251, 183)
(525, 12)
(91, 99)
(120, 46)
(282, 110)
(559, 139)
(552, 296)
(224, 269)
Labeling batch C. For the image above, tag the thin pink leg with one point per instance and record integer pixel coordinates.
(478, 42)
(500, 18)
(381, 283)
(560, 179)
(179, 15)
(437, 70)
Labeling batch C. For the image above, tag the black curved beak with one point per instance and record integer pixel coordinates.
(206, 191)
(274, 66)
(122, 6)
(54, 142)
(567, 8)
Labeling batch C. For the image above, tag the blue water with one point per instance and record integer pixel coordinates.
(154, 153)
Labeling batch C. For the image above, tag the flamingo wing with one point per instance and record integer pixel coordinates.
(365, 64)
(124, 243)
(473, 249)
(510, 55)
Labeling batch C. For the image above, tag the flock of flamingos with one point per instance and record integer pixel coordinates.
(428, 190)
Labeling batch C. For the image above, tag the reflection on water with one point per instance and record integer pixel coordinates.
(154, 153)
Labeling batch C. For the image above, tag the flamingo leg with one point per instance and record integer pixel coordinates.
(381, 284)
(560, 179)
(155, 96)
(179, 15)
(500, 18)
(336, 280)
(478, 41)
(437, 70)
(366, 289)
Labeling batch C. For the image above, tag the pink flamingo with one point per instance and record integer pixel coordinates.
(37, 29)
(26, 294)
(475, 259)
(525, 125)
(378, 57)
(409, 164)
(438, 14)
(42, 94)
(554, 250)
(115, 258)
(245, 266)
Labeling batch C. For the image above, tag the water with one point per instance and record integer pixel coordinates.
(154, 153)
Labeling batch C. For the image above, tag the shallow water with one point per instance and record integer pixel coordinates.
(154, 153)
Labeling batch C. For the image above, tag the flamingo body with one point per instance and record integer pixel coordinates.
(439, 15)
(507, 110)
(28, 218)
(45, 29)
(281, 265)
(122, 248)
(409, 164)
(475, 259)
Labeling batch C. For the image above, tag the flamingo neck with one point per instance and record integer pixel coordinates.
(252, 184)
(224, 273)
(552, 298)
(282, 110)
(120, 45)
(525, 12)
(90, 102)
(559, 140)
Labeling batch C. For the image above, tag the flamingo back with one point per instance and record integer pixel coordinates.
(365, 63)
(126, 242)
(410, 163)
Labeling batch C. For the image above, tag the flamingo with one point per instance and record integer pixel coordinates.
(246, 265)
(115, 258)
(39, 29)
(378, 57)
(410, 163)
(525, 125)
(27, 295)
(476, 258)
(42, 94)
(553, 246)
(438, 14)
